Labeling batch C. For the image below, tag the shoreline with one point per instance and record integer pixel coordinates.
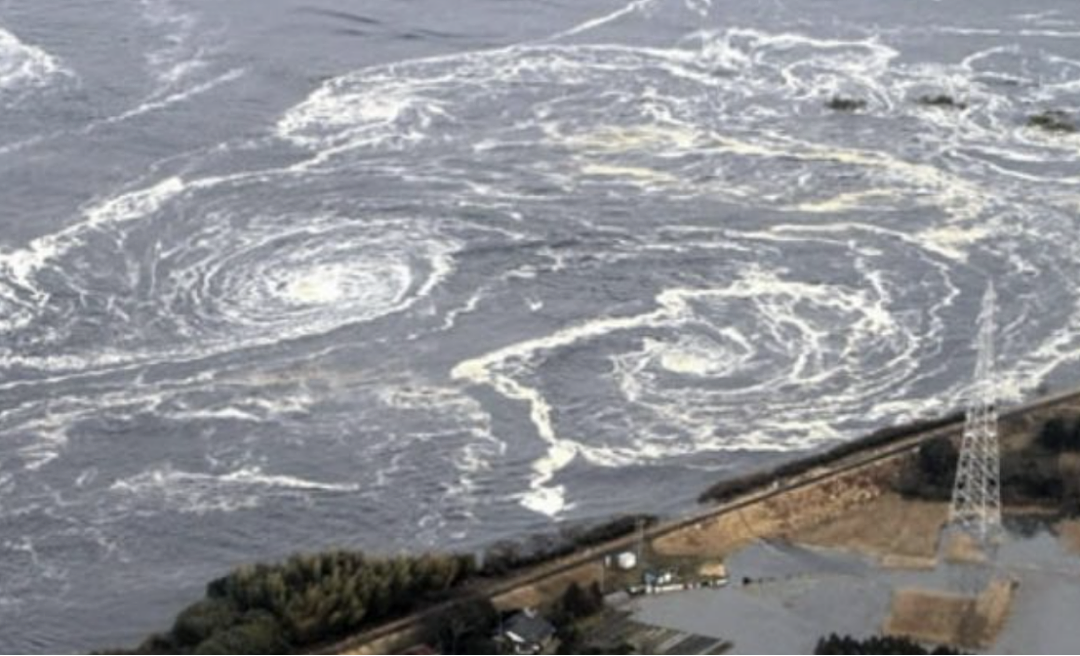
(757, 491)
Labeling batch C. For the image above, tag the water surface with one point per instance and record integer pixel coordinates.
(283, 274)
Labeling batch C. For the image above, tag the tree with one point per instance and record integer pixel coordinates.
(578, 603)
(257, 633)
(466, 627)
(202, 619)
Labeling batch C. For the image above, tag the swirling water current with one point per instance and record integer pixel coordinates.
(284, 274)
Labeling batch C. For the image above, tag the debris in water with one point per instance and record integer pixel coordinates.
(942, 100)
(841, 104)
(1052, 120)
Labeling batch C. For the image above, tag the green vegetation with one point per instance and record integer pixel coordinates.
(842, 104)
(835, 644)
(1060, 434)
(1052, 120)
(934, 472)
(466, 627)
(942, 100)
(1042, 472)
(318, 598)
(309, 599)
(576, 606)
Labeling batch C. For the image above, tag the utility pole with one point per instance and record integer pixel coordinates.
(641, 542)
(976, 498)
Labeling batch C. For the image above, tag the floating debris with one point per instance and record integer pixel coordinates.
(841, 104)
(942, 100)
(1052, 120)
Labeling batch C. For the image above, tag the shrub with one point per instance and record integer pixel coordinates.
(1060, 434)
(578, 603)
(835, 644)
(202, 619)
(465, 627)
(257, 633)
(931, 477)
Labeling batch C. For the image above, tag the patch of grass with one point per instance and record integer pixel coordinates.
(842, 104)
(1052, 120)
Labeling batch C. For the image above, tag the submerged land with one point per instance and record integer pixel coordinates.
(846, 551)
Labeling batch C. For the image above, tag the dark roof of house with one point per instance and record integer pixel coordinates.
(530, 627)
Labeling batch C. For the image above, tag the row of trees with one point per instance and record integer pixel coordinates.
(1038, 473)
(835, 644)
(282, 607)
(267, 609)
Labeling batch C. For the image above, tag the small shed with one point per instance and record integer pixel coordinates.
(626, 561)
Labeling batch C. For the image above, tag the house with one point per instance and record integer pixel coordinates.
(529, 633)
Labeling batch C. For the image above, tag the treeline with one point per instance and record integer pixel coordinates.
(835, 644)
(1038, 473)
(318, 598)
(308, 599)
(732, 488)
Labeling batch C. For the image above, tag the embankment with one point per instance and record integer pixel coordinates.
(794, 497)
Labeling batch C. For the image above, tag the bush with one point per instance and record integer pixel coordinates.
(257, 633)
(1059, 435)
(933, 473)
(835, 644)
(465, 627)
(1031, 475)
(202, 619)
(578, 603)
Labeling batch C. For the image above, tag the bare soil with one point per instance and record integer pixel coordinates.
(1068, 532)
(949, 619)
(898, 532)
(780, 516)
(963, 548)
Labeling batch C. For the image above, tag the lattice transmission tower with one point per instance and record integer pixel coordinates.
(976, 499)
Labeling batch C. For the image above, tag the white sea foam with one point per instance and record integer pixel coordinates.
(24, 66)
(168, 489)
(160, 101)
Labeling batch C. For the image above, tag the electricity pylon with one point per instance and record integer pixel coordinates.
(976, 499)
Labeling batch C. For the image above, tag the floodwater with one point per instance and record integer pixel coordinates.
(797, 595)
(284, 274)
